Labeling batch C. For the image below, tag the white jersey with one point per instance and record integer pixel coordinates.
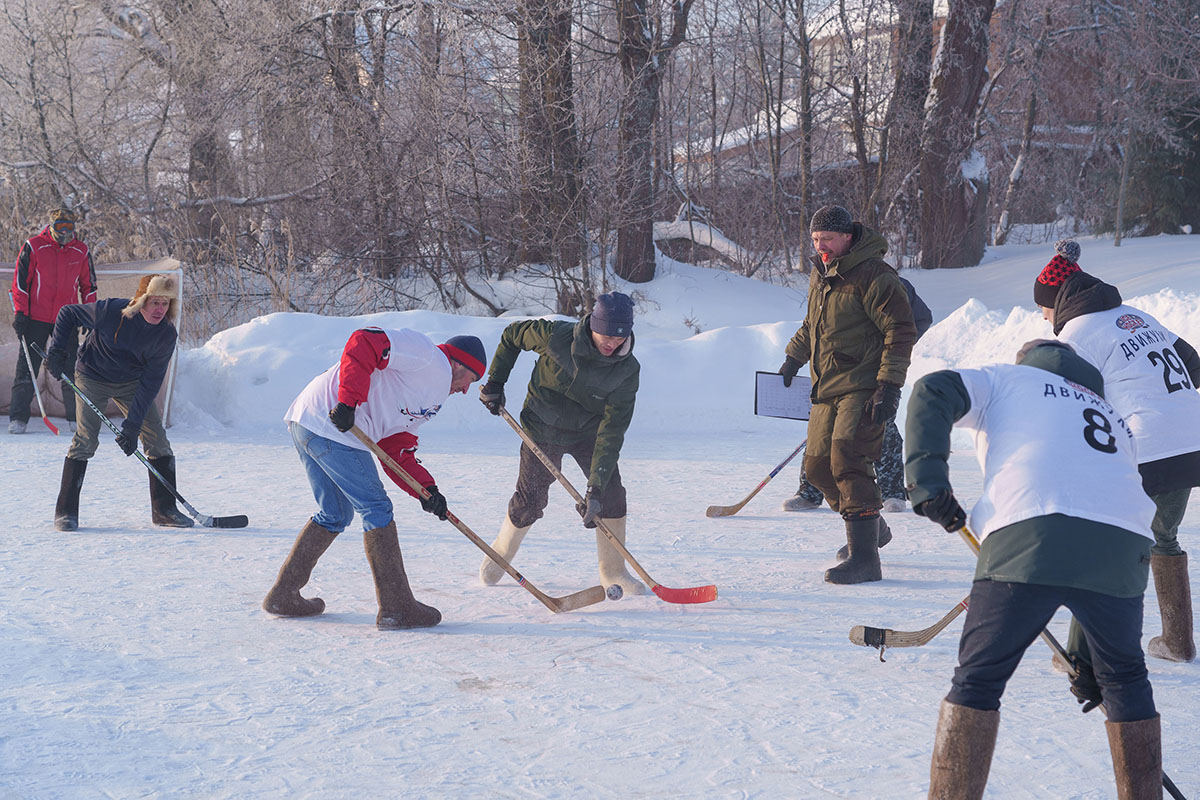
(1144, 378)
(409, 391)
(1048, 445)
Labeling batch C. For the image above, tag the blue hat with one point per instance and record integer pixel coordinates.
(613, 315)
(468, 351)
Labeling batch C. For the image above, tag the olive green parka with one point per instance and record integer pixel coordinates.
(859, 331)
(575, 392)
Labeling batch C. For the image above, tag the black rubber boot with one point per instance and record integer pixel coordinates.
(863, 564)
(66, 510)
(885, 536)
(284, 599)
(398, 609)
(163, 510)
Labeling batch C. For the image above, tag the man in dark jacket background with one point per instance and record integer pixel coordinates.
(53, 269)
(579, 402)
(857, 338)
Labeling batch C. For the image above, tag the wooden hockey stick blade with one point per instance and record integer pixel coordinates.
(867, 636)
(729, 511)
(570, 602)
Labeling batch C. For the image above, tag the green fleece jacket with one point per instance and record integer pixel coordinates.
(859, 331)
(575, 392)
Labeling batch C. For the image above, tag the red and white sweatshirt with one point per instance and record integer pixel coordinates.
(395, 380)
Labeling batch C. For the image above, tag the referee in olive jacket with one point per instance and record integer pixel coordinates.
(857, 338)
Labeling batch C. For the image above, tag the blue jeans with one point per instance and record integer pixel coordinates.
(1004, 618)
(343, 480)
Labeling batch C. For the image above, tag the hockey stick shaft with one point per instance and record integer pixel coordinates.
(696, 594)
(236, 521)
(570, 602)
(729, 511)
(32, 374)
(36, 392)
(973, 542)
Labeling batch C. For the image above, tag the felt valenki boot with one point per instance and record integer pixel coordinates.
(163, 510)
(398, 609)
(66, 510)
(962, 752)
(506, 544)
(1136, 749)
(284, 599)
(862, 536)
(612, 563)
(1174, 592)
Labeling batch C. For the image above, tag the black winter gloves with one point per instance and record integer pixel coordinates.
(943, 509)
(789, 369)
(1084, 686)
(436, 503)
(21, 324)
(342, 417)
(56, 365)
(589, 508)
(884, 403)
(491, 394)
(127, 439)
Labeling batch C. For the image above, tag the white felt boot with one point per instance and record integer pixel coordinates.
(612, 563)
(506, 544)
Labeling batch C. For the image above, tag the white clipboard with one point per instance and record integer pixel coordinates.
(773, 399)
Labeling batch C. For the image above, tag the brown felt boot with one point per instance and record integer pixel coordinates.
(398, 609)
(66, 509)
(1174, 592)
(1136, 749)
(284, 599)
(962, 752)
(862, 536)
(885, 536)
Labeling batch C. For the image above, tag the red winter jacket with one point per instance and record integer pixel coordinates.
(50, 276)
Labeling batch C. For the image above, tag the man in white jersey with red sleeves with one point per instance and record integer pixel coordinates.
(1063, 522)
(389, 383)
(1150, 377)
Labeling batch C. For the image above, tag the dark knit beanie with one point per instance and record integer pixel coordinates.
(468, 351)
(832, 218)
(1052, 277)
(613, 315)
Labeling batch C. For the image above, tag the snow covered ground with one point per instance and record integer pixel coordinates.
(138, 663)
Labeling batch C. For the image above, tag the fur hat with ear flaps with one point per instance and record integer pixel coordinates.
(159, 286)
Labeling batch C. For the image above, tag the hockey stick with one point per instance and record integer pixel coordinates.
(570, 602)
(36, 392)
(32, 374)
(729, 511)
(235, 521)
(883, 638)
(695, 594)
(973, 542)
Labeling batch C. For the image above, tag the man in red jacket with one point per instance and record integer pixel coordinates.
(54, 269)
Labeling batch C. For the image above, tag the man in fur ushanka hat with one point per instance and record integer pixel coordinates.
(123, 358)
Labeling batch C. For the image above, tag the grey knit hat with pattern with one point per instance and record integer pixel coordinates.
(832, 218)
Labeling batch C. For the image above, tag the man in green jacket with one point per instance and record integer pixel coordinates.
(579, 402)
(857, 338)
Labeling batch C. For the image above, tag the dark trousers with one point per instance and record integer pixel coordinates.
(528, 502)
(22, 388)
(1003, 619)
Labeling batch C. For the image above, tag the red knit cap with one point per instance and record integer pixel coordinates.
(1052, 277)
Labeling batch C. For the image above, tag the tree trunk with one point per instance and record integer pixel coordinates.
(953, 178)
